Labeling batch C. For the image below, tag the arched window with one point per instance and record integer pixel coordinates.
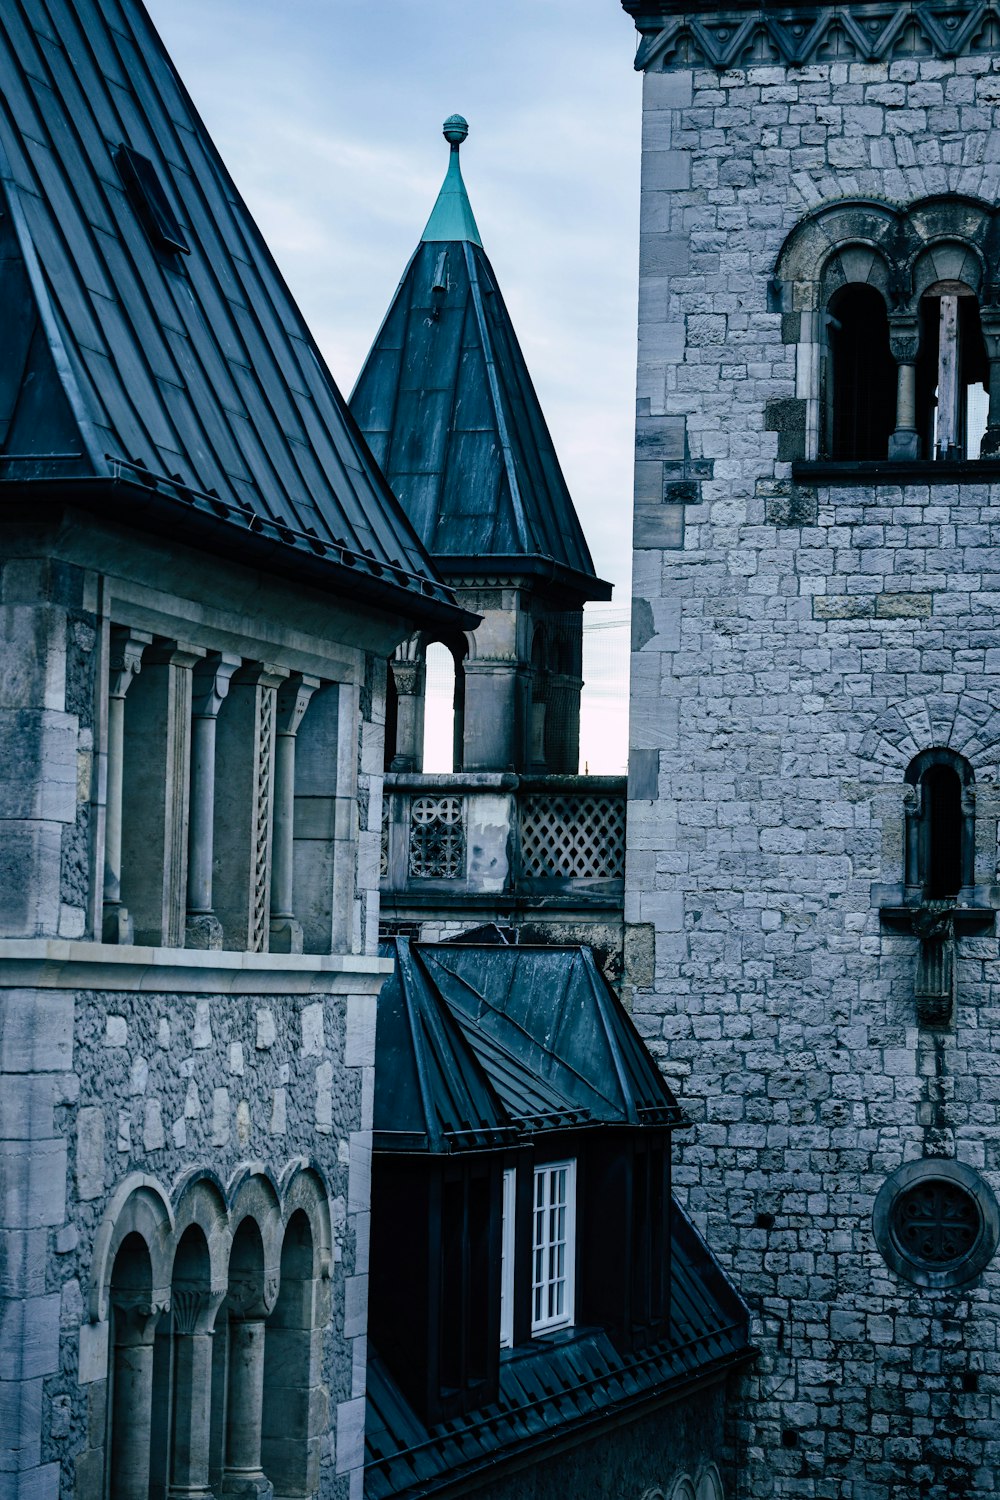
(940, 825)
(291, 1369)
(952, 373)
(133, 1328)
(444, 704)
(862, 409)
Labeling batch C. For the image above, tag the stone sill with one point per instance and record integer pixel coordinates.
(896, 472)
(51, 963)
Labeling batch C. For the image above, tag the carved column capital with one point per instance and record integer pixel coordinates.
(904, 337)
(293, 700)
(409, 678)
(211, 683)
(125, 659)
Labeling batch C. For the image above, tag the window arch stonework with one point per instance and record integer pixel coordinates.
(194, 1295)
(936, 267)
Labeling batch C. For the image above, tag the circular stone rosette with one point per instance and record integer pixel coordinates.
(936, 1222)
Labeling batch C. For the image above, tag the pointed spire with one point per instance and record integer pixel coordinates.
(451, 217)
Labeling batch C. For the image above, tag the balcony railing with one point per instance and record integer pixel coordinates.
(501, 834)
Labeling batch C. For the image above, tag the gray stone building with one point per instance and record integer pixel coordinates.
(202, 574)
(811, 877)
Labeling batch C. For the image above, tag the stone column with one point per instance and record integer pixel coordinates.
(293, 700)
(194, 1315)
(134, 1333)
(243, 1473)
(244, 805)
(410, 678)
(991, 337)
(904, 339)
(127, 647)
(210, 686)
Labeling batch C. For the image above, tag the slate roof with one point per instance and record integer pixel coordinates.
(182, 391)
(479, 1043)
(570, 1383)
(447, 404)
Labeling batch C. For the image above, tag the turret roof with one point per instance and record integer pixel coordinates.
(448, 406)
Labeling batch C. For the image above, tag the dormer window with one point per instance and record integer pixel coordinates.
(553, 1247)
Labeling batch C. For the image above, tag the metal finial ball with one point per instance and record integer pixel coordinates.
(455, 129)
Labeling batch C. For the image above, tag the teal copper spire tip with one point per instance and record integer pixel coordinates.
(452, 217)
(455, 129)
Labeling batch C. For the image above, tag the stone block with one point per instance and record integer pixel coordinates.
(359, 1178)
(32, 1183)
(842, 607)
(359, 1042)
(643, 775)
(355, 1306)
(657, 526)
(350, 1435)
(666, 171)
(667, 90)
(90, 1147)
(36, 1031)
(29, 1338)
(93, 1358)
(659, 438)
(26, 1104)
(904, 606)
(664, 255)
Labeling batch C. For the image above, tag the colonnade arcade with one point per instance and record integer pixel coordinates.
(230, 802)
(206, 1307)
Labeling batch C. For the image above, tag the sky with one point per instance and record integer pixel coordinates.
(328, 114)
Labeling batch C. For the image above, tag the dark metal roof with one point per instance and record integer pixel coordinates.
(150, 342)
(429, 1093)
(560, 1386)
(447, 404)
(475, 1042)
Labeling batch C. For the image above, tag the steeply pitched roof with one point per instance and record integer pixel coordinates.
(429, 1094)
(476, 1044)
(554, 1388)
(152, 353)
(447, 404)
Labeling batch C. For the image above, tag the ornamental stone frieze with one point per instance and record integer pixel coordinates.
(739, 35)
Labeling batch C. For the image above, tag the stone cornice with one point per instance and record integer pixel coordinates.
(745, 33)
(57, 963)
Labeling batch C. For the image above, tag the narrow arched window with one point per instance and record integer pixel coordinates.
(130, 1404)
(292, 1375)
(940, 825)
(952, 373)
(863, 405)
(444, 709)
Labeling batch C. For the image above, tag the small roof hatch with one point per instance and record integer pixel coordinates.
(145, 191)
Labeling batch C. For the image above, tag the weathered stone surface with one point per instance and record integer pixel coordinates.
(824, 638)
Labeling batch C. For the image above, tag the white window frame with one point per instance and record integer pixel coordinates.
(553, 1246)
(507, 1258)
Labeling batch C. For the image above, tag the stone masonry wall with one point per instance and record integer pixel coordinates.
(99, 1085)
(804, 646)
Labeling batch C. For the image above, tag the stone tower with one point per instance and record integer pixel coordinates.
(509, 832)
(446, 402)
(811, 880)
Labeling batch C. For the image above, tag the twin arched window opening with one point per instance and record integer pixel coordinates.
(944, 403)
